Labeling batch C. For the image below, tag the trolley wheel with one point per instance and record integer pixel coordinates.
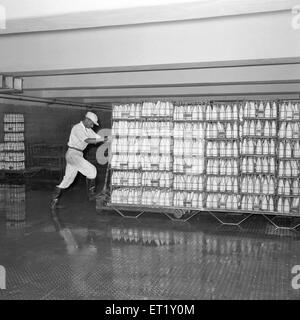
(179, 213)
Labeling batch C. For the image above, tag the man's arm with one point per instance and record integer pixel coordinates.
(94, 140)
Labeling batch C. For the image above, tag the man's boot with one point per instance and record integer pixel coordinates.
(91, 188)
(55, 197)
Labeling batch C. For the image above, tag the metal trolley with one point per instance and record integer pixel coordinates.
(244, 154)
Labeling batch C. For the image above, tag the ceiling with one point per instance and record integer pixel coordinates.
(224, 49)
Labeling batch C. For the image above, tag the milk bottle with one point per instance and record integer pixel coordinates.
(208, 112)
(214, 114)
(265, 147)
(246, 110)
(258, 147)
(209, 201)
(271, 186)
(229, 168)
(195, 200)
(294, 167)
(289, 131)
(244, 146)
(228, 131)
(274, 110)
(271, 204)
(282, 130)
(223, 167)
(235, 167)
(273, 129)
(265, 186)
(215, 201)
(222, 149)
(261, 109)
(289, 111)
(296, 130)
(246, 128)
(288, 150)
(288, 169)
(264, 203)
(282, 109)
(268, 112)
(256, 203)
(250, 203)
(235, 113)
(287, 188)
(257, 185)
(228, 113)
(215, 167)
(295, 188)
(295, 204)
(250, 165)
(286, 208)
(250, 188)
(229, 149)
(222, 112)
(200, 201)
(235, 130)
(251, 147)
(280, 205)
(259, 165)
(267, 129)
(297, 149)
(281, 170)
(244, 203)
(252, 110)
(223, 201)
(235, 149)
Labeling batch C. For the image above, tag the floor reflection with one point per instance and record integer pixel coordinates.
(76, 254)
(200, 265)
(13, 204)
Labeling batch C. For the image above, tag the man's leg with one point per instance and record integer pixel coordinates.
(69, 177)
(90, 172)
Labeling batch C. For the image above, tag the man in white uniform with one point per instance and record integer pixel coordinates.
(81, 135)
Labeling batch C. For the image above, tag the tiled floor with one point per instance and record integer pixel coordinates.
(76, 254)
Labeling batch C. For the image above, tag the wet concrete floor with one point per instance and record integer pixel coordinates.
(75, 253)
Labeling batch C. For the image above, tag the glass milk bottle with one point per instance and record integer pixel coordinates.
(268, 112)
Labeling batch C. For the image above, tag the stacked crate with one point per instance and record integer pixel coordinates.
(189, 151)
(258, 156)
(289, 158)
(222, 156)
(141, 154)
(14, 146)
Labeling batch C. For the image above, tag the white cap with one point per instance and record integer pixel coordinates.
(93, 117)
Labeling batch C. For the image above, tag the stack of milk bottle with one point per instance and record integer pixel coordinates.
(289, 157)
(222, 154)
(13, 153)
(141, 154)
(258, 155)
(189, 155)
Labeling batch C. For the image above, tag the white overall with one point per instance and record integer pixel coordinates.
(74, 158)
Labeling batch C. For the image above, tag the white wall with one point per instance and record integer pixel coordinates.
(236, 38)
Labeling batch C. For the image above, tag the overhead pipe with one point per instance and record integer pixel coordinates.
(54, 101)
